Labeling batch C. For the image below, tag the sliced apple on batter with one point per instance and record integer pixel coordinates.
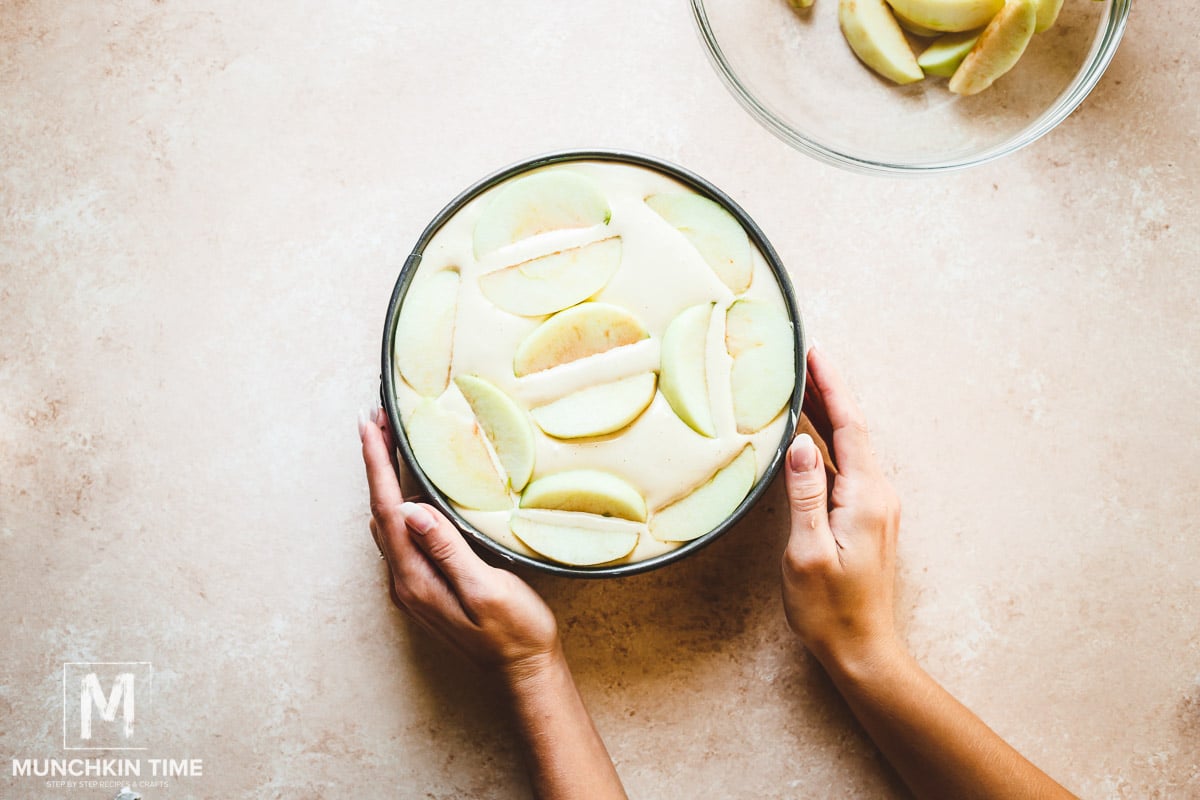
(875, 37)
(999, 48)
(684, 372)
(945, 54)
(713, 231)
(424, 339)
(581, 540)
(581, 331)
(590, 491)
(709, 504)
(762, 343)
(504, 424)
(597, 410)
(454, 455)
(948, 15)
(551, 283)
(538, 203)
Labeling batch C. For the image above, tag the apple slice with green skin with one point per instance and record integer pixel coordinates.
(597, 410)
(1047, 14)
(875, 37)
(684, 368)
(950, 16)
(504, 424)
(999, 48)
(713, 231)
(581, 331)
(551, 283)
(539, 203)
(588, 490)
(943, 56)
(424, 339)
(580, 540)
(709, 504)
(762, 344)
(453, 454)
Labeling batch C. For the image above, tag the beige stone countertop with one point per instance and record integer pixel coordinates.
(203, 207)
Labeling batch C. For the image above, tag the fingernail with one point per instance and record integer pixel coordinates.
(417, 518)
(365, 418)
(812, 345)
(803, 454)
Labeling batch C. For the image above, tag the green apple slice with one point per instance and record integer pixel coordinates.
(762, 343)
(539, 203)
(588, 490)
(684, 371)
(709, 504)
(424, 339)
(875, 37)
(580, 540)
(999, 48)
(581, 331)
(554, 282)
(948, 15)
(1047, 14)
(597, 410)
(713, 231)
(943, 56)
(454, 455)
(504, 424)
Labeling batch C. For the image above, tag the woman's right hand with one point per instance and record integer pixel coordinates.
(839, 566)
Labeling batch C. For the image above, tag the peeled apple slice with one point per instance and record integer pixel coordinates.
(578, 332)
(1047, 14)
(999, 48)
(424, 339)
(453, 454)
(943, 56)
(588, 490)
(875, 37)
(914, 28)
(708, 505)
(713, 231)
(948, 15)
(554, 282)
(580, 540)
(762, 343)
(597, 410)
(542, 202)
(683, 380)
(504, 424)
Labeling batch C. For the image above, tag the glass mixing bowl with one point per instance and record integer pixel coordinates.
(794, 72)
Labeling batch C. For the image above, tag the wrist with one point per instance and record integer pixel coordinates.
(863, 660)
(532, 671)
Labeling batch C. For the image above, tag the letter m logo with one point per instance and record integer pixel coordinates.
(100, 703)
(90, 694)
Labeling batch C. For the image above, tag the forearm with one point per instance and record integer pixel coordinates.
(567, 758)
(939, 748)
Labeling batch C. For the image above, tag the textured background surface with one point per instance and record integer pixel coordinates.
(202, 210)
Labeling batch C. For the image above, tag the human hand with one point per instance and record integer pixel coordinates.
(489, 615)
(839, 565)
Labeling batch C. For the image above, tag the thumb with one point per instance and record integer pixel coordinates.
(445, 546)
(806, 489)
